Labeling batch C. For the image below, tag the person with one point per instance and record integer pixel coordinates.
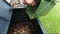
(22, 3)
(30, 2)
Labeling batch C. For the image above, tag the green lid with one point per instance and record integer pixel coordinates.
(41, 9)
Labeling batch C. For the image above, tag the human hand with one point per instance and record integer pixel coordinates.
(30, 2)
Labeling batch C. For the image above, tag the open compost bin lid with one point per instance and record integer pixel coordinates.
(41, 9)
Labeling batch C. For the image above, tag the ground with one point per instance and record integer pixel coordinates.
(51, 21)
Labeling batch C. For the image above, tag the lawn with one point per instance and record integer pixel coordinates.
(51, 21)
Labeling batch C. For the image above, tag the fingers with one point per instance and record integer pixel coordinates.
(24, 2)
(30, 2)
(33, 3)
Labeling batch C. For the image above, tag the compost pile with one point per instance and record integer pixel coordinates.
(21, 28)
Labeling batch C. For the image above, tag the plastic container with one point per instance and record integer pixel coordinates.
(21, 22)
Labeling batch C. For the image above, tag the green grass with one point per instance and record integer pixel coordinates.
(51, 21)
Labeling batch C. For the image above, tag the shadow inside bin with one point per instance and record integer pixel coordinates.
(21, 22)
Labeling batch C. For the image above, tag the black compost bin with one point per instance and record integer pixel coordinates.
(21, 24)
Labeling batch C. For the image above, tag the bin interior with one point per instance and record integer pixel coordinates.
(21, 24)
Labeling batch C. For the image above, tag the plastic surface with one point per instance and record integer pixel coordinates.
(38, 10)
(5, 15)
(5, 10)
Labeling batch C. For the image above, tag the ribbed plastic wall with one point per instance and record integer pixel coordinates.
(5, 15)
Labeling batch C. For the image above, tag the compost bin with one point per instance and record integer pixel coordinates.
(21, 24)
